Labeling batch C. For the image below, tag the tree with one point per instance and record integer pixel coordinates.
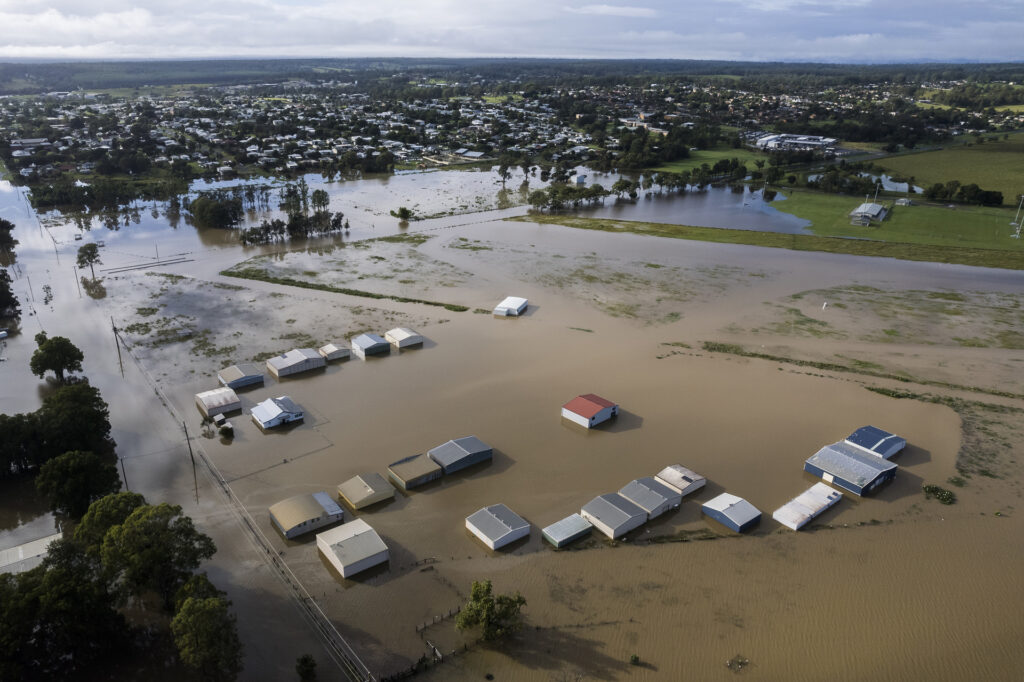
(7, 242)
(104, 514)
(74, 480)
(321, 200)
(305, 667)
(206, 635)
(403, 214)
(57, 355)
(9, 306)
(89, 254)
(495, 616)
(74, 417)
(156, 548)
(197, 587)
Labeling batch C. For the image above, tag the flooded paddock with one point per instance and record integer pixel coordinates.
(892, 586)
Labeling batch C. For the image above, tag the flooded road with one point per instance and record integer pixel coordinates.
(878, 590)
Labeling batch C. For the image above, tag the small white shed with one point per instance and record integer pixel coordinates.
(333, 351)
(512, 306)
(276, 411)
(497, 526)
(684, 480)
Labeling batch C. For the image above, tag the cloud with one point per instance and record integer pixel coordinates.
(615, 11)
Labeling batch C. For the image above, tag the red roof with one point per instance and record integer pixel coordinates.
(587, 405)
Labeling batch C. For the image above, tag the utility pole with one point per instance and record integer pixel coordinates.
(124, 476)
(77, 283)
(195, 477)
(117, 345)
(33, 294)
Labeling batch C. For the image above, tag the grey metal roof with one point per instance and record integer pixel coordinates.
(569, 527)
(286, 404)
(367, 341)
(734, 508)
(448, 453)
(414, 466)
(241, 371)
(681, 478)
(613, 509)
(353, 542)
(849, 463)
(649, 494)
(497, 521)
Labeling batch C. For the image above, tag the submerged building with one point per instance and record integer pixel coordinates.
(369, 344)
(460, 453)
(799, 511)
(653, 497)
(570, 529)
(589, 410)
(684, 480)
(332, 351)
(850, 468)
(511, 306)
(366, 489)
(403, 337)
(218, 401)
(305, 513)
(295, 361)
(732, 512)
(276, 411)
(613, 515)
(497, 526)
(877, 441)
(414, 471)
(240, 376)
(352, 547)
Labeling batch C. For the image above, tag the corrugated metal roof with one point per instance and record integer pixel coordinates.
(807, 505)
(240, 371)
(353, 542)
(368, 341)
(587, 405)
(682, 479)
(497, 521)
(877, 440)
(295, 356)
(849, 463)
(734, 508)
(414, 467)
(451, 452)
(569, 527)
(399, 334)
(218, 397)
(613, 510)
(648, 494)
(366, 489)
(294, 510)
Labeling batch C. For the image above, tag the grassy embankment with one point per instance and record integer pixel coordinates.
(915, 245)
(991, 165)
(711, 157)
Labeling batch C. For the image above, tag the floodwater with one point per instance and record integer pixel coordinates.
(927, 591)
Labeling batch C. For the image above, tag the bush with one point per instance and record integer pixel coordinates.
(939, 493)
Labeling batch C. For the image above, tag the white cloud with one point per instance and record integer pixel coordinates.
(615, 11)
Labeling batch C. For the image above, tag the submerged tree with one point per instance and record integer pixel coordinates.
(495, 616)
(74, 480)
(206, 635)
(89, 254)
(57, 355)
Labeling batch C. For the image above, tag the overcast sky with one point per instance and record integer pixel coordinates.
(802, 30)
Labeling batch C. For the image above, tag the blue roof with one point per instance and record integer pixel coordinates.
(850, 463)
(877, 440)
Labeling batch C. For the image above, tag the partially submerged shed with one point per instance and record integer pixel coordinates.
(295, 361)
(497, 525)
(732, 512)
(218, 401)
(305, 513)
(460, 453)
(414, 471)
(799, 511)
(240, 376)
(653, 497)
(403, 337)
(276, 411)
(589, 410)
(613, 514)
(569, 529)
(512, 306)
(684, 480)
(369, 344)
(352, 547)
(877, 441)
(850, 468)
(366, 489)
(333, 351)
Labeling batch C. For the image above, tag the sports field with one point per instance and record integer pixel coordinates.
(712, 156)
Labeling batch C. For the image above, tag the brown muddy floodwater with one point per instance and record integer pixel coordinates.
(889, 587)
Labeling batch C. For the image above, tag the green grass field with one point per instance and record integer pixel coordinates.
(981, 227)
(711, 156)
(935, 253)
(992, 166)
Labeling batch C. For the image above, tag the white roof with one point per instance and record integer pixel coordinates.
(805, 506)
(682, 479)
(270, 408)
(401, 334)
(217, 397)
(734, 508)
(514, 302)
(294, 510)
(352, 542)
